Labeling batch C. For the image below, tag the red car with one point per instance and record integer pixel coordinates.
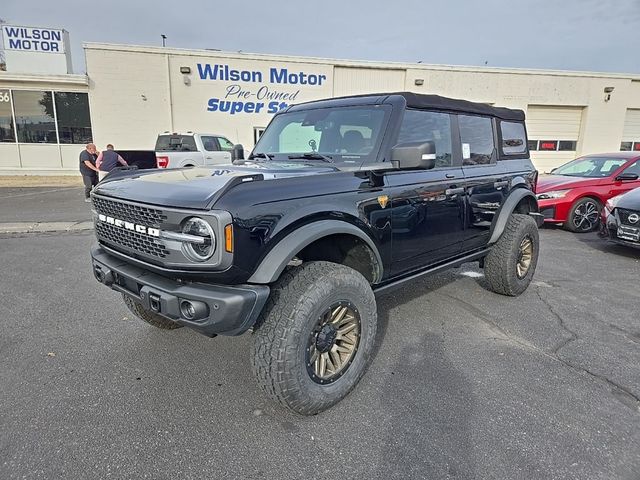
(575, 193)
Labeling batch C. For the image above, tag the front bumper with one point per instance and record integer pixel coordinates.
(609, 225)
(220, 309)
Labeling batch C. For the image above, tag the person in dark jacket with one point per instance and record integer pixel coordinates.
(107, 161)
(88, 169)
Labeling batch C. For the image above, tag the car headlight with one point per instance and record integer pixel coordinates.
(611, 203)
(553, 194)
(204, 244)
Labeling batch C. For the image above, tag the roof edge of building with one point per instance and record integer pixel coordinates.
(75, 79)
(352, 63)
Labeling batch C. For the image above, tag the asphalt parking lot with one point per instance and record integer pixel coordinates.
(464, 384)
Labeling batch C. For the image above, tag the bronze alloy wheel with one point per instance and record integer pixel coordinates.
(333, 343)
(586, 216)
(525, 253)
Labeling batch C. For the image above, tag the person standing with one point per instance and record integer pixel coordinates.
(88, 169)
(107, 161)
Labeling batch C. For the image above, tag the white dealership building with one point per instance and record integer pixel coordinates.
(131, 93)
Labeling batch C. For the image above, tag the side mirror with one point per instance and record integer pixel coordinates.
(414, 155)
(627, 177)
(237, 153)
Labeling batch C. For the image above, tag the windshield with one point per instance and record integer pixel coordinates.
(346, 136)
(591, 167)
(176, 143)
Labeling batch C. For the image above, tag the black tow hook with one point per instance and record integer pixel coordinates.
(103, 275)
(154, 302)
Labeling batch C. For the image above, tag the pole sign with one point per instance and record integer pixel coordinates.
(32, 39)
(39, 50)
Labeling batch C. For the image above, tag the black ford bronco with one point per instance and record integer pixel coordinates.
(339, 200)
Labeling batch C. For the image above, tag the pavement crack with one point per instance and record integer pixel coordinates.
(572, 335)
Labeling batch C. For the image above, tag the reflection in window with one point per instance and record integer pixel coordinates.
(513, 138)
(35, 121)
(476, 134)
(225, 144)
(422, 126)
(74, 122)
(6, 118)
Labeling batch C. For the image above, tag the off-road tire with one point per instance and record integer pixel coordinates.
(150, 317)
(284, 329)
(580, 203)
(500, 266)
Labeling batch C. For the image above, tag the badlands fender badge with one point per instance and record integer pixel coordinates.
(383, 200)
(152, 232)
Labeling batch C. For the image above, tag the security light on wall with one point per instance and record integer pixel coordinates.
(607, 93)
(185, 70)
(419, 82)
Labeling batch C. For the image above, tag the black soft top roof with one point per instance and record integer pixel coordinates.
(415, 100)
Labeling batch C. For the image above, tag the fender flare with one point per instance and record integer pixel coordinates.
(507, 209)
(277, 259)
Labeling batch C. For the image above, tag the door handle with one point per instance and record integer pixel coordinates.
(454, 191)
(449, 175)
(500, 183)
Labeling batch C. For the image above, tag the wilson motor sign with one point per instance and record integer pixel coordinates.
(36, 50)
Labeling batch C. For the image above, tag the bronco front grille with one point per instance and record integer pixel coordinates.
(151, 217)
(624, 217)
(119, 237)
(132, 240)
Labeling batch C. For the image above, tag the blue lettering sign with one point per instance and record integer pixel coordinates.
(33, 39)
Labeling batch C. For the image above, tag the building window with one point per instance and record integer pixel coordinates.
(35, 119)
(533, 145)
(423, 126)
(74, 122)
(567, 146)
(476, 135)
(548, 145)
(513, 138)
(6, 118)
(626, 146)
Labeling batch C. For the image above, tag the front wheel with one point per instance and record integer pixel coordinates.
(512, 261)
(584, 216)
(315, 336)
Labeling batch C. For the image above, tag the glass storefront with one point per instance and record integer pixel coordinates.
(35, 116)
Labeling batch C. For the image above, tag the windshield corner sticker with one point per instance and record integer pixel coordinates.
(258, 91)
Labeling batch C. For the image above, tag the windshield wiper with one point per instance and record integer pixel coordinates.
(312, 156)
(266, 156)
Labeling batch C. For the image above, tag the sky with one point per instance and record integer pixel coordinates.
(591, 35)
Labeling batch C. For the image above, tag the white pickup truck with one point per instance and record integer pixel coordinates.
(190, 149)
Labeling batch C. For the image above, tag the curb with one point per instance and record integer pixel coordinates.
(45, 227)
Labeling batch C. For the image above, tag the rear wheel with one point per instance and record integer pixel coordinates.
(510, 265)
(315, 336)
(150, 317)
(584, 215)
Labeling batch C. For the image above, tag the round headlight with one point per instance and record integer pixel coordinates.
(199, 251)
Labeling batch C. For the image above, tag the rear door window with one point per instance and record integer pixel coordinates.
(476, 136)
(176, 143)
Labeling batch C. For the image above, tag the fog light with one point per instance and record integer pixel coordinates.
(193, 310)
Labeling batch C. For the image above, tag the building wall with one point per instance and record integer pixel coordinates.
(137, 92)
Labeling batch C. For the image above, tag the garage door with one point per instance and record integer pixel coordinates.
(631, 133)
(553, 134)
(354, 81)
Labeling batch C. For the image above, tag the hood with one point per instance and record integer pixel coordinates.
(196, 188)
(630, 200)
(547, 183)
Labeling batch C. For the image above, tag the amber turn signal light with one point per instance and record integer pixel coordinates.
(228, 238)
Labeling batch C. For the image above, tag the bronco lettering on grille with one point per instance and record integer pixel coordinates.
(152, 232)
